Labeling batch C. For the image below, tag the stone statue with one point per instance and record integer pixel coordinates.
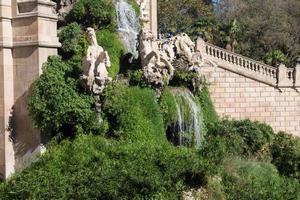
(64, 7)
(95, 64)
(157, 69)
(184, 46)
(144, 13)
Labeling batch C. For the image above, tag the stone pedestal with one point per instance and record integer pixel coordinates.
(28, 35)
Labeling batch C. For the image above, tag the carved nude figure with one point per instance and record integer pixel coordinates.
(95, 64)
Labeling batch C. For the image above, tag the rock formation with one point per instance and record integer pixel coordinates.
(95, 64)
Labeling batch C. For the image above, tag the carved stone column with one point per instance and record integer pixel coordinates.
(7, 159)
(28, 35)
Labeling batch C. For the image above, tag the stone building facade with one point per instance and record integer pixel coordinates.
(28, 35)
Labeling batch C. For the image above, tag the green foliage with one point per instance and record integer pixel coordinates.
(179, 16)
(112, 44)
(93, 13)
(286, 155)
(92, 167)
(168, 107)
(137, 78)
(275, 57)
(134, 114)
(266, 26)
(209, 113)
(253, 180)
(74, 42)
(57, 104)
(183, 79)
(243, 138)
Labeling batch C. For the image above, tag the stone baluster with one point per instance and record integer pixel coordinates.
(282, 79)
(296, 74)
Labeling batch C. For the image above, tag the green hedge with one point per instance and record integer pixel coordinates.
(133, 113)
(92, 167)
(249, 180)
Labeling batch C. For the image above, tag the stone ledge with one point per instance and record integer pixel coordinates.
(51, 17)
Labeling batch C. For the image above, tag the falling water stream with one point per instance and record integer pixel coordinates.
(128, 26)
(189, 123)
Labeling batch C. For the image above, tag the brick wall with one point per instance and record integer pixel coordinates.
(243, 98)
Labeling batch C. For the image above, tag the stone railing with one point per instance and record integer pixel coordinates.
(280, 76)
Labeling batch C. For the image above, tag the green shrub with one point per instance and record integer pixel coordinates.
(253, 180)
(209, 113)
(136, 78)
(238, 138)
(286, 155)
(183, 79)
(168, 107)
(93, 13)
(74, 42)
(112, 44)
(92, 167)
(134, 113)
(257, 136)
(57, 104)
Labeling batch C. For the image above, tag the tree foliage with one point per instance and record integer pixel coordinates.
(266, 26)
(93, 13)
(57, 103)
(179, 15)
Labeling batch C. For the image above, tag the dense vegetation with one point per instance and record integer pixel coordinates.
(123, 152)
(263, 30)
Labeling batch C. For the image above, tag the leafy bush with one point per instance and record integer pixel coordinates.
(168, 107)
(209, 113)
(93, 13)
(275, 57)
(253, 180)
(58, 105)
(136, 78)
(286, 155)
(133, 113)
(92, 167)
(112, 44)
(183, 78)
(238, 138)
(74, 43)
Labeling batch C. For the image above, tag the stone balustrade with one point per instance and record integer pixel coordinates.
(280, 76)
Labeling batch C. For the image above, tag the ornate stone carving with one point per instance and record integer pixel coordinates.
(144, 12)
(95, 64)
(184, 46)
(64, 7)
(156, 66)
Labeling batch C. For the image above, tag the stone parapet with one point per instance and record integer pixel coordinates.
(280, 77)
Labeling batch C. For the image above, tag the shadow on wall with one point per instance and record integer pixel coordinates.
(26, 139)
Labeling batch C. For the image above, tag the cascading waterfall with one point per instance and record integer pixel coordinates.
(189, 122)
(128, 26)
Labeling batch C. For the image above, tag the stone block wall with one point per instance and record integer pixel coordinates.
(239, 97)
